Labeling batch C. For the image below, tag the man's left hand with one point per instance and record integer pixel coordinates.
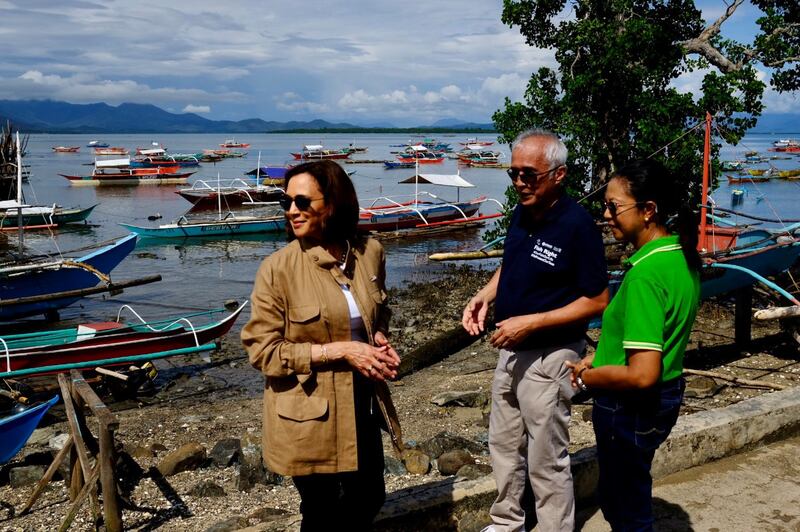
(512, 331)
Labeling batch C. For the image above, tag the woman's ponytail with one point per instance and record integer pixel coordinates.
(685, 225)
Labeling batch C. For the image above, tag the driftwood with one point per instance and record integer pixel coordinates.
(466, 255)
(737, 380)
(778, 313)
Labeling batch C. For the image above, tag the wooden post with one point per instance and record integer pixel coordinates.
(743, 316)
(48, 476)
(112, 512)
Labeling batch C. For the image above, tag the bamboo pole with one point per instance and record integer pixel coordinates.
(466, 255)
(80, 292)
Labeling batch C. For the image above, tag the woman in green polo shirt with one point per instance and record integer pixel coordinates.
(635, 374)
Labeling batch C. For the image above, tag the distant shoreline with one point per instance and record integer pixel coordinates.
(476, 131)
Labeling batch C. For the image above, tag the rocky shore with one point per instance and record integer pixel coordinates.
(190, 448)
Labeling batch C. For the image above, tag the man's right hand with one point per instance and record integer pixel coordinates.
(475, 314)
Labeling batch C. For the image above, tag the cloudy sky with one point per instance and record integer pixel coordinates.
(364, 61)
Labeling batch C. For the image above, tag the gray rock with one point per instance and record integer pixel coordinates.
(456, 398)
(473, 471)
(226, 452)
(700, 387)
(26, 475)
(42, 436)
(444, 441)
(194, 418)
(187, 457)
(229, 525)
(207, 488)
(450, 462)
(248, 475)
(393, 466)
(416, 462)
(264, 515)
(474, 521)
(58, 442)
(139, 451)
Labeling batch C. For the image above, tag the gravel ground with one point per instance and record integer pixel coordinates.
(203, 403)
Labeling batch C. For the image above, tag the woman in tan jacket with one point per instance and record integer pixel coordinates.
(318, 334)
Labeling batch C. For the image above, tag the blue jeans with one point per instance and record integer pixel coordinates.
(629, 427)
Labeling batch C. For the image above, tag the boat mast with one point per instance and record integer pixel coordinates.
(20, 229)
(706, 176)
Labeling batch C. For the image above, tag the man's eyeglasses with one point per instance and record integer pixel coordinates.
(302, 202)
(527, 175)
(613, 208)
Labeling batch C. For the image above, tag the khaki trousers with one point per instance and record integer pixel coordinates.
(529, 435)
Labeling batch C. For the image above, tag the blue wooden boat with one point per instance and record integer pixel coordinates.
(50, 276)
(97, 144)
(17, 428)
(229, 225)
(391, 165)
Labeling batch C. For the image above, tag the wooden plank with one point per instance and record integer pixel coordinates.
(48, 476)
(75, 430)
(78, 502)
(96, 405)
(112, 512)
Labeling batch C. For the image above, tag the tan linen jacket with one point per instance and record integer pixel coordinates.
(309, 417)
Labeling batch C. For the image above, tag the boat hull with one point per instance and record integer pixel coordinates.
(59, 217)
(129, 179)
(15, 430)
(767, 261)
(107, 341)
(396, 219)
(224, 227)
(61, 279)
(201, 199)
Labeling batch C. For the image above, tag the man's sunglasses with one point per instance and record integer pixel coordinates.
(303, 202)
(528, 176)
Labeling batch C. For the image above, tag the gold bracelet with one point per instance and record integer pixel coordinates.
(324, 357)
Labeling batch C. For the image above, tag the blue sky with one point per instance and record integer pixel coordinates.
(366, 62)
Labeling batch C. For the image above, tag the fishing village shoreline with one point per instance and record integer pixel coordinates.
(200, 405)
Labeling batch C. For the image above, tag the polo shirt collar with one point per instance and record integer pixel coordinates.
(551, 214)
(659, 245)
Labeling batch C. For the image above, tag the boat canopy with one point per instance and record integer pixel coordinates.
(113, 163)
(439, 179)
(153, 151)
(419, 147)
(312, 147)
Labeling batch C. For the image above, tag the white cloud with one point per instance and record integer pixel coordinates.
(83, 88)
(294, 103)
(202, 109)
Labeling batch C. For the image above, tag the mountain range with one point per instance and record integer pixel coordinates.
(47, 116)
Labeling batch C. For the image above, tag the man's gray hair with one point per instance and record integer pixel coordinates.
(555, 152)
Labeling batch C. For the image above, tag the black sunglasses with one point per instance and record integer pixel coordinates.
(302, 202)
(613, 208)
(527, 175)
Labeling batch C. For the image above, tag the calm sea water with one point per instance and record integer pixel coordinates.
(203, 274)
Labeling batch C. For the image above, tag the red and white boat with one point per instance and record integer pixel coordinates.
(116, 172)
(231, 143)
(419, 154)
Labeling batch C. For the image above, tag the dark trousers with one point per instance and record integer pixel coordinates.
(629, 427)
(348, 501)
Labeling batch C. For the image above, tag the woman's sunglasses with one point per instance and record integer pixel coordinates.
(303, 202)
(613, 208)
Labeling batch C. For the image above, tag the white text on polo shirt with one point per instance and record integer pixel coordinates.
(545, 252)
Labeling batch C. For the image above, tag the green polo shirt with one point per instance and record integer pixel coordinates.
(654, 308)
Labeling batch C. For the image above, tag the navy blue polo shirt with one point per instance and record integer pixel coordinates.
(547, 265)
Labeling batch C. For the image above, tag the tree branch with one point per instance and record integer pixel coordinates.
(701, 44)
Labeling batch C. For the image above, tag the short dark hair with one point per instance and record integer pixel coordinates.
(340, 196)
(649, 180)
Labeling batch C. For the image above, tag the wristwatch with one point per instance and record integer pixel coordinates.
(579, 380)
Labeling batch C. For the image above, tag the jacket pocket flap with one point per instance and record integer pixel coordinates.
(379, 296)
(304, 313)
(301, 408)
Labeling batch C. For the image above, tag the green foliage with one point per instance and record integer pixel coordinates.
(613, 96)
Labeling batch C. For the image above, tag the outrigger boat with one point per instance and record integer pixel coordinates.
(40, 216)
(393, 214)
(112, 172)
(317, 151)
(234, 192)
(111, 151)
(97, 144)
(66, 149)
(110, 343)
(231, 143)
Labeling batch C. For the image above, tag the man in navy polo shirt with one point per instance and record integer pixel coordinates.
(552, 281)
